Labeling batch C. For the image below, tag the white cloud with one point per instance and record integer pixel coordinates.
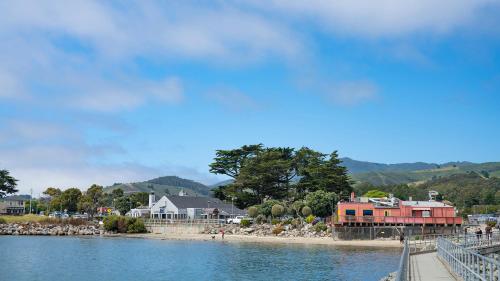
(384, 18)
(351, 92)
(232, 99)
(109, 96)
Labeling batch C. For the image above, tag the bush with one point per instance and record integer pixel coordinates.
(267, 206)
(278, 229)
(124, 224)
(296, 222)
(288, 221)
(320, 226)
(3, 221)
(277, 210)
(275, 221)
(306, 211)
(260, 219)
(245, 223)
(491, 223)
(253, 212)
(111, 223)
(136, 226)
(310, 219)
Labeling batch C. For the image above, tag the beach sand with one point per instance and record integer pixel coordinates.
(270, 239)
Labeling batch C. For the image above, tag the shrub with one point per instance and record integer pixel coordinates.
(267, 206)
(310, 219)
(136, 226)
(278, 229)
(111, 223)
(245, 223)
(306, 211)
(253, 212)
(260, 219)
(275, 221)
(491, 223)
(320, 226)
(288, 221)
(3, 221)
(277, 210)
(296, 222)
(124, 224)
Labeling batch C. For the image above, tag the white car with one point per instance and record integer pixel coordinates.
(236, 220)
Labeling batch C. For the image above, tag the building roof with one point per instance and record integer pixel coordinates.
(184, 202)
(425, 204)
(16, 198)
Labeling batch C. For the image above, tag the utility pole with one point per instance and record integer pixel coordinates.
(31, 198)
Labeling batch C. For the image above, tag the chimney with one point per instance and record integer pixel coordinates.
(151, 199)
(352, 196)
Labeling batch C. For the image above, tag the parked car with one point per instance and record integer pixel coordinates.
(236, 220)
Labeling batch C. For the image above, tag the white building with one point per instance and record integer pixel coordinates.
(188, 207)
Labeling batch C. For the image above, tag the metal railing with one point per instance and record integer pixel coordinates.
(428, 243)
(158, 222)
(464, 262)
(400, 220)
(403, 272)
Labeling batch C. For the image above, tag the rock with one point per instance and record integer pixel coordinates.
(248, 230)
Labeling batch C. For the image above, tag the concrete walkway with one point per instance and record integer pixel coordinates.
(427, 267)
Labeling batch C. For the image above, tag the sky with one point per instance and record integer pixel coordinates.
(125, 91)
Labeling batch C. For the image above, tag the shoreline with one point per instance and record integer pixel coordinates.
(328, 241)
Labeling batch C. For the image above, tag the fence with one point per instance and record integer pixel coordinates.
(399, 220)
(159, 222)
(403, 272)
(465, 263)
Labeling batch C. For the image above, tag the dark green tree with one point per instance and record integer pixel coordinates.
(321, 202)
(7, 183)
(116, 193)
(70, 198)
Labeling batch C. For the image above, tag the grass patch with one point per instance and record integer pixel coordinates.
(42, 220)
(25, 218)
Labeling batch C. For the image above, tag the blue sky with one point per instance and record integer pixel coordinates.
(104, 92)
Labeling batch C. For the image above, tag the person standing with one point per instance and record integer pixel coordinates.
(488, 230)
(222, 232)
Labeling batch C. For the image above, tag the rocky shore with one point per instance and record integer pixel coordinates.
(289, 230)
(48, 229)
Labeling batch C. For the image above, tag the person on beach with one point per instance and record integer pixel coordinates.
(488, 230)
(401, 238)
(222, 232)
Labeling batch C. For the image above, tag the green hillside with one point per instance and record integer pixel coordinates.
(491, 169)
(163, 186)
(464, 190)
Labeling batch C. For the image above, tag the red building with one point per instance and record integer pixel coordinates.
(392, 211)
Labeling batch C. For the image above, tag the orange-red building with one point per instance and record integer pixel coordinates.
(392, 211)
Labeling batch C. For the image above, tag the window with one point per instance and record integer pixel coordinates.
(350, 212)
(367, 212)
(386, 213)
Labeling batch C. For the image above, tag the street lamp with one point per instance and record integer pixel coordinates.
(232, 206)
(208, 207)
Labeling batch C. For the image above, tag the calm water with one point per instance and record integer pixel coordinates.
(68, 258)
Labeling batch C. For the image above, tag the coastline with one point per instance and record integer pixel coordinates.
(328, 241)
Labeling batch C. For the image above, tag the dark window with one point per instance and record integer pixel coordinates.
(350, 212)
(367, 212)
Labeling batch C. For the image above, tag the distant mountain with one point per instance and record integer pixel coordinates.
(419, 172)
(355, 166)
(164, 185)
(222, 183)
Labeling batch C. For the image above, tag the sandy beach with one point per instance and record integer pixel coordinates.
(270, 239)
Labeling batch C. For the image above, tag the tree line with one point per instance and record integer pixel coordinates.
(285, 174)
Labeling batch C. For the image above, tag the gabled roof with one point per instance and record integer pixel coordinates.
(184, 202)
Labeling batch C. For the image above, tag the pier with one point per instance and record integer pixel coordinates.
(450, 257)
